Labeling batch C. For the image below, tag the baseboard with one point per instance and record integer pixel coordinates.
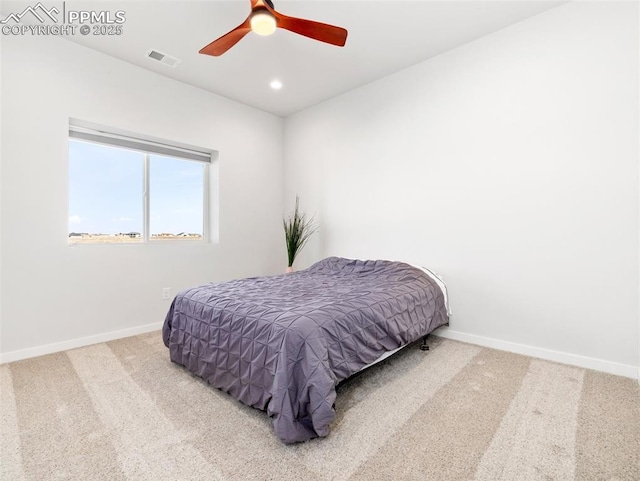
(20, 354)
(547, 354)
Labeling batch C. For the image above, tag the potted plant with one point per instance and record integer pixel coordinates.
(297, 230)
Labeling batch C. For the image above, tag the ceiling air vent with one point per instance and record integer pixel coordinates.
(163, 58)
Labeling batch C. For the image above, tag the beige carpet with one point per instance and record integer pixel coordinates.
(121, 410)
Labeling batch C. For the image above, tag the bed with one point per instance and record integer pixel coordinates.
(283, 343)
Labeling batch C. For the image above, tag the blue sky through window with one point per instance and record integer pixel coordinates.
(106, 191)
(176, 196)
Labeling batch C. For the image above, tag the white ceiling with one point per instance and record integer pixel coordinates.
(384, 37)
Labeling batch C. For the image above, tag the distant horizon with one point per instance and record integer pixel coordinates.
(135, 232)
(76, 238)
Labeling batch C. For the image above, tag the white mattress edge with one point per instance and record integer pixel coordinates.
(438, 280)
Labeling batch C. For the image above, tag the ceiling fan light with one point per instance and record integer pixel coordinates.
(263, 23)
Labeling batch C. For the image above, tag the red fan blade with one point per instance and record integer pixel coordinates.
(316, 30)
(228, 40)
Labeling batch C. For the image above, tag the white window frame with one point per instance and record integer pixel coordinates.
(83, 131)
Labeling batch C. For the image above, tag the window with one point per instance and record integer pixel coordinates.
(128, 190)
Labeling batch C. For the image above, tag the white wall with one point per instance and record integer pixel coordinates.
(53, 293)
(509, 165)
(1, 95)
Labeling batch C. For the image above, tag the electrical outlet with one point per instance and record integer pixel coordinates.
(166, 293)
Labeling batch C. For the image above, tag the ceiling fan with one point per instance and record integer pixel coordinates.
(264, 20)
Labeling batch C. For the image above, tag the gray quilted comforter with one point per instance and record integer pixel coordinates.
(283, 343)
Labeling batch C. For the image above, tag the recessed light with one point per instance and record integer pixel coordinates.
(276, 84)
